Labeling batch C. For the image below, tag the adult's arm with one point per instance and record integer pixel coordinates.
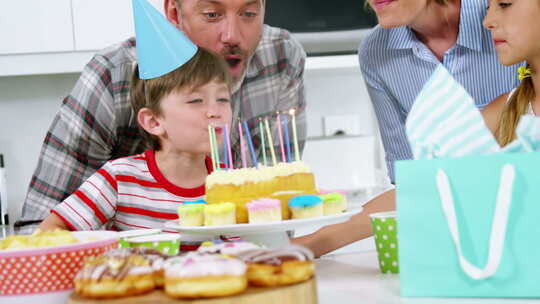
(358, 227)
(78, 142)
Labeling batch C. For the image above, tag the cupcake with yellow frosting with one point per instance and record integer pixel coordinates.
(191, 213)
(219, 214)
(333, 203)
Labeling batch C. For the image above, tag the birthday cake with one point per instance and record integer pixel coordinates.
(241, 186)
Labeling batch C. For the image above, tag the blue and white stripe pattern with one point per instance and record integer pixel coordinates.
(445, 122)
(528, 135)
(396, 65)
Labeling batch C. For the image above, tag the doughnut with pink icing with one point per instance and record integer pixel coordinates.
(198, 275)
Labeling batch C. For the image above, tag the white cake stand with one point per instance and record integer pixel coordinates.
(269, 234)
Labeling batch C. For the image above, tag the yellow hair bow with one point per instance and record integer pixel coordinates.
(524, 72)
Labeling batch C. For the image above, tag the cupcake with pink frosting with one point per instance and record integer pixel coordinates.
(264, 210)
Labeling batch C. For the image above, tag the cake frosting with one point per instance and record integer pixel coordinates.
(241, 176)
(228, 248)
(276, 256)
(263, 204)
(303, 201)
(114, 267)
(200, 265)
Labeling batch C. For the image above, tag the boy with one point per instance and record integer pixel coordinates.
(176, 93)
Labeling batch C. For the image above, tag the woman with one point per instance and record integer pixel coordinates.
(413, 37)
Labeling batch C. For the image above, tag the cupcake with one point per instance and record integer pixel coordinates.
(333, 203)
(306, 206)
(219, 214)
(191, 213)
(264, 210)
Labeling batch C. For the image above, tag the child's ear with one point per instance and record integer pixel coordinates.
(149, 121)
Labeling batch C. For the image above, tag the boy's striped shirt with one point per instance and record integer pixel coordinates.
(126, 193)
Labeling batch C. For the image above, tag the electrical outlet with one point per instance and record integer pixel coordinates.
(341, 125)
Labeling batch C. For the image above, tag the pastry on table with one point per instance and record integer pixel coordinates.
(196, 275)
(117, 274)
(276, 267)
(226, 248)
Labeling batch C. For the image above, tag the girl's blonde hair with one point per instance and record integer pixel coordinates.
(203, 68)
(512, 111)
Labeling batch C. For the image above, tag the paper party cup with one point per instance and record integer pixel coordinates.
(384, 226)
(124, 236)
(168, 243)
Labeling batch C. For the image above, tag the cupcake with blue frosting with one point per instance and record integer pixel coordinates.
(306, 206)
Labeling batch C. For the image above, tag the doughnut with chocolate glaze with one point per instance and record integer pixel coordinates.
(276, 267)
(155, 257)
(114, 276)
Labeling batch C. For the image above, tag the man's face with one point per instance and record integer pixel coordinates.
(231, 28)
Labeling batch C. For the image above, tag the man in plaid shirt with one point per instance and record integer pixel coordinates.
(96, 123)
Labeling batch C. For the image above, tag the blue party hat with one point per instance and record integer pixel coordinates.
(161, 47)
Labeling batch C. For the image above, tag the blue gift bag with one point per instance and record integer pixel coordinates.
(469, 227)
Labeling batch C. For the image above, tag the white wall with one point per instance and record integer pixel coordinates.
(29, 103)
(27, 107)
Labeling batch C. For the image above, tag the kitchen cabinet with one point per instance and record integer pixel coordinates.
(60, 36)
(100, 23)
(36, 26)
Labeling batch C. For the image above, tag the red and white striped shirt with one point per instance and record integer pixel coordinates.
(126, 193)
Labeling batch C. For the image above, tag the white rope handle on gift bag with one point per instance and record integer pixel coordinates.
(498, 229)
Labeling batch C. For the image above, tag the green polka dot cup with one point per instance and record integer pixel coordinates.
(124, 236)
(167, 243)
(384, 226)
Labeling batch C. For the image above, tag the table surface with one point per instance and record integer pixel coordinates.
(355, 278)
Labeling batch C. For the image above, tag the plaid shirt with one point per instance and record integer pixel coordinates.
(96, 122)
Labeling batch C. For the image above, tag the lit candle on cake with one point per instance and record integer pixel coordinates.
(263, 144)
(287, 140)
(211, 147)
(242, 148)
(225, 147)
(280, 135)
(270, 141)
(228, 146)
(295, 137)
(250, 144)
(216, 149)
